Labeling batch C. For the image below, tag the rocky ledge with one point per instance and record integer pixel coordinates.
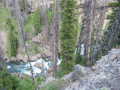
(104, 75)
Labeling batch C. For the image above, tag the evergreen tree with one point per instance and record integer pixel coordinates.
(34, 23)
(9, 25)
(68, 34)
(12, 39)
(7, 81)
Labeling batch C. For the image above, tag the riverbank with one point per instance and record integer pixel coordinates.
(39, 66)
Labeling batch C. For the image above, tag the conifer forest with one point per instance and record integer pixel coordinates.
(59, 44)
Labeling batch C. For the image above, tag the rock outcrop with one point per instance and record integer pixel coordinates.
(104, 75)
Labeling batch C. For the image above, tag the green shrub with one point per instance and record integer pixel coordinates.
(12, 82)
(12, 42)
(80, 59)
(4, 15)
(114, 4)
(33, 23)
(39, 80)
(104, 89)
(26, 84)
(59, 73)
(54, 85)
(50, 15)
(9, 25)
(8, 82)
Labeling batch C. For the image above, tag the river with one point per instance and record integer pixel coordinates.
(39, 67)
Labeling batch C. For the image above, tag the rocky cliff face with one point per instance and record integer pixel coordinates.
(104, 75)
(111, 38)
(39, 3)
(94, 24)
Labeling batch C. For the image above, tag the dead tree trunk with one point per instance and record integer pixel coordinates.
(18, 15)
(55, 35)
(88, 27)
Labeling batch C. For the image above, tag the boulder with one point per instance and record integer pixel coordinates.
(104, 75)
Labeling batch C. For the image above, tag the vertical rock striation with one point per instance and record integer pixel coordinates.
(103, 76)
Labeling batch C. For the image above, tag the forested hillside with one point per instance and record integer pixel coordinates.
(59, 44)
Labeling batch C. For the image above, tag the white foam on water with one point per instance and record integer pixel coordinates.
(8, 67)
(25, 69)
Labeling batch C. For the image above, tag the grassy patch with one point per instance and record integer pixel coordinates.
(54, 85)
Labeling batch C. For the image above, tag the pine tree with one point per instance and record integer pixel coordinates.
(12, 39)
(68, 34)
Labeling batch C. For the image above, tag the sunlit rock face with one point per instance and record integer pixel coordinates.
(104, 75)
(105, 1)
(39, 3)
(100, 22)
